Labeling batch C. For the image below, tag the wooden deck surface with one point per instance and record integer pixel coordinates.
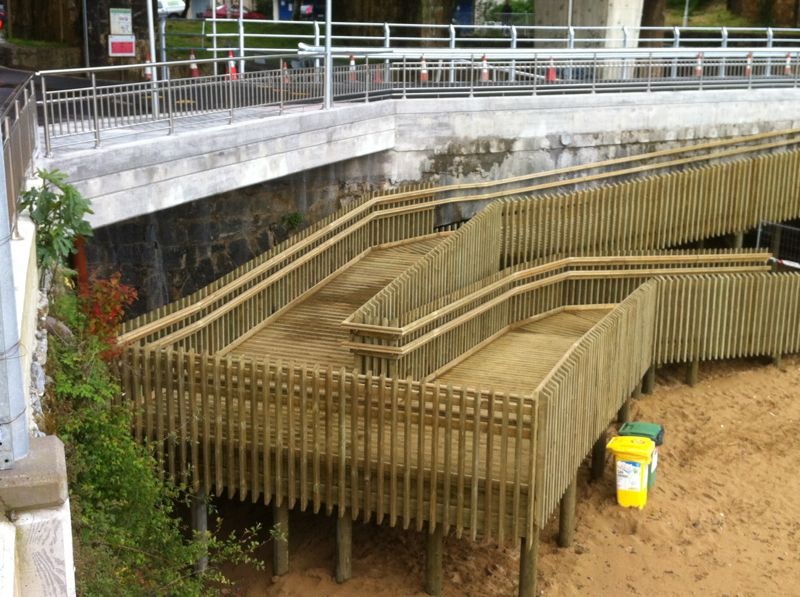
(517, 362)
(310, 333)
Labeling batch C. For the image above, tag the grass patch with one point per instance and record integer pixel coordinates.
(705, 14)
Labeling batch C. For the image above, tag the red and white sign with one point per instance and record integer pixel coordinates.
(122, 45)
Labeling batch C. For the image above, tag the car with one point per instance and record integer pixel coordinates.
(222, 13)
(312, 11)
(172, 9)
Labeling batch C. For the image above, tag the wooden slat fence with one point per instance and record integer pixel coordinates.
(649, 213)
(395, 450)
(422, 347)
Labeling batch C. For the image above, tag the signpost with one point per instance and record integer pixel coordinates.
(121, 41)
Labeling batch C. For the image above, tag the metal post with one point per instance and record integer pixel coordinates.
(328, 96)
(404, 77)
(240, 25)
(770, 39)
(649, 72)
(452, 46)
(95, 118)
(724, 44)
(214, 34)
(170, 103)
(151, 32)
(282, 76)
(13, 418)
(316, 43)
(230, 99)
(87, 61)
(48, 148)
(162, 41)
(513, 75)
(676, 43)
(366, 80)
(471, 76)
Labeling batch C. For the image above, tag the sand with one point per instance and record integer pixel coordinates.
(723, 519)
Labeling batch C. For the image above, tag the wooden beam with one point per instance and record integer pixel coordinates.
(649, 380)
(599, 457)
(566, 519)
(280, 549)
(433, 561)
(692, 372)
(199, 514)
(344, 546)
(528, 559)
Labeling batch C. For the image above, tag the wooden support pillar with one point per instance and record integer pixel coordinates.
(701, 244)
(624, 413)
(692, 372)
(528, 558)
(649, 380)
(199, 515)
(637, 391)
(344, 546)
(776, 359)
(433, 560)
(738, 240)
(566, 519)
(599, 457)
(280, 551)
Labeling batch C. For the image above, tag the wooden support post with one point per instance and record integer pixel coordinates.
(280, 551)
(624, 413)
(344, 546)
(199, 513)
(776, 359)
(738, 240)
(433, 562)
(649, 380)
(599, 457)
(566, 519)
(637, 391)
(527, 565)
(692, 372)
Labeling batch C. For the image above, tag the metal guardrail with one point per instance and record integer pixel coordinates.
(250, 36)
(112, 110)
(20, 139)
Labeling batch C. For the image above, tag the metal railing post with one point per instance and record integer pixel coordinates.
(649, 72)
(95, 118)
(240, 27)
(281, 82)
(48, 147)
(230, 99)
(770, 39)
(724, 44)
(472, 76)
(452, 46)
(214, 38)
(316, 42)
(570, 37)
(386, 43)
(366, 80)
(404, 77)
(676, 43)
(513, 74)
(796, 69)
(594, 72)
(170, 103)
(535, 72)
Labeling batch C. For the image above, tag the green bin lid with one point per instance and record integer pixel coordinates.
(653, 431)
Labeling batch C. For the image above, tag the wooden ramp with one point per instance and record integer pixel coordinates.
(519, 360)
(311, 332)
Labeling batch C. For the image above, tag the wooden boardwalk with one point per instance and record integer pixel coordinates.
(519, 360)
(311, 332)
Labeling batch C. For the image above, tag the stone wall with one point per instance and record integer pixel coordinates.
(171, 253)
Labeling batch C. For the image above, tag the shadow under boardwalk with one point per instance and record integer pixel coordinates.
(310, 332)
(519, 360)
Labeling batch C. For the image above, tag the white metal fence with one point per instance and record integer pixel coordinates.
(20, 138)
(101, 111)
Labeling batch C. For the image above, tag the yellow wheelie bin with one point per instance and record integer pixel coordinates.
(632, 457)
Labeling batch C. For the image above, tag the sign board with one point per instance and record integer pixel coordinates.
(121, 45)
(121, 21)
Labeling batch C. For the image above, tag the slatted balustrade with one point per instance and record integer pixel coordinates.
(650, 213)
(447, 334)
(398, 450)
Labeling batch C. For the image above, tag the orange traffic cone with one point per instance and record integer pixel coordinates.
(484, 69)
(787, 67)
(232, 74)
(748, 67)
(550, 75)
(352, 75)
(698, 67)
(148, 70)
(423, 71)
(194, 71)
